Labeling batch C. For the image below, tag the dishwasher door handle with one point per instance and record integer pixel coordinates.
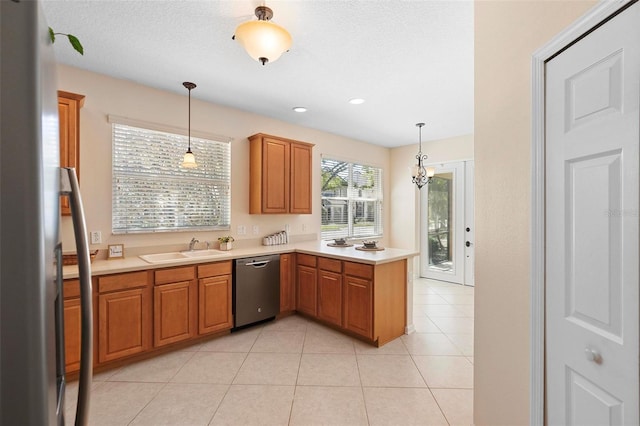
(259, 264)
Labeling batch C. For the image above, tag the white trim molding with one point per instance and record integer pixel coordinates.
(593, 18)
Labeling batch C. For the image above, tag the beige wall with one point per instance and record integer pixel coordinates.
(106, 95)
(405, 214)
(506, 34)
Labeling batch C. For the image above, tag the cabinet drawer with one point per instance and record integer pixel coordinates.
(71, 289)
(358, 270)
(122, 281)
(214, 269)
(306, 260)
(332, 265)
(173, 275)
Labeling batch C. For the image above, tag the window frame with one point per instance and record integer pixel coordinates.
(212, 178)
(350, 201)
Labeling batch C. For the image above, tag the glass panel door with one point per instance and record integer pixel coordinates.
(443, 225)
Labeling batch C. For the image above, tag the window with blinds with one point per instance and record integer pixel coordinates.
(153, 193)
(351, 200)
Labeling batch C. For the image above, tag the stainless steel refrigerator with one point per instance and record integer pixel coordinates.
(32, 380)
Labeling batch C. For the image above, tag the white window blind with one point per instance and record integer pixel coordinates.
(351, 200)
(153, 193)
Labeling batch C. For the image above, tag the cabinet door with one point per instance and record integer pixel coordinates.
(174, 312)
(275, 175)
(330, 297)
(69, 105)
(72, 333)
(124, 323)
(307, 290)
(215, 304)
(301, 173)
(358, 306)
(287, 289)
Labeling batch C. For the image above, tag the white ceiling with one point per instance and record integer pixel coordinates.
(411, 61)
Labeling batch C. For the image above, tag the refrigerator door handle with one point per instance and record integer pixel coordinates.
(69, 186)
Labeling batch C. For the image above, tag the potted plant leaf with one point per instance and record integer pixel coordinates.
(226, 243)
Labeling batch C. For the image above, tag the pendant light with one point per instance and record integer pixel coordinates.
(422, 175)
(189, 161)
(263, 40)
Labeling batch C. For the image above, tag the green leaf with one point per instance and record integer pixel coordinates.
(52, 35)
(75, 43)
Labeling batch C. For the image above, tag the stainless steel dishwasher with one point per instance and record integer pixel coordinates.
(256, 289)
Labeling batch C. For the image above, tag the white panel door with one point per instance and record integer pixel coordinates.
(591, 299)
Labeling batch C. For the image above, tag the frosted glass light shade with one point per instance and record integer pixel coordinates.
(264, 41)
(189, 160)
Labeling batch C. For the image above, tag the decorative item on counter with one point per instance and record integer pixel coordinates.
(72, 258)
(340, 242)
(226, 243)
(116, 251)
(278, 238)
(369, 245)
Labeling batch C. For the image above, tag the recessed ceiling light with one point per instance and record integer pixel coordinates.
(300, 109)
(356, 101)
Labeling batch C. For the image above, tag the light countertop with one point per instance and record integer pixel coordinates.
(317, 248)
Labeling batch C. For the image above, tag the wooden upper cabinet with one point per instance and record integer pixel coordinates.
(300, 187)
(69, 105)
(280, 173)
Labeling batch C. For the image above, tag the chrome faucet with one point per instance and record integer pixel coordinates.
(192, 243)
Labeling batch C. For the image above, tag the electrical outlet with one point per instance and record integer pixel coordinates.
(242, 230)
(256, 229)
(304, 227)
(287, 228)
(96, 237)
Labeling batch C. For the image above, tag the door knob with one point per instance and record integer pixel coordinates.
(468, 244)
(593, 355)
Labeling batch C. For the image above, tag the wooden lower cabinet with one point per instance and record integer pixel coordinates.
(307, 290)
(330, 297)
(124, 323)
(215, 297)
(124, 315)
(175, 305)
(358, 306)
(364, 299)
(72, 333)
(175, 310)
(287, 283)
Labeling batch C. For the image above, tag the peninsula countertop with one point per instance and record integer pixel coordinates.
(316, 248)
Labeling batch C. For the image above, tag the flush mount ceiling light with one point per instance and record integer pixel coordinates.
(356, 101)
(189, 160)
(263, 40)
(299, 109)
(422, 175)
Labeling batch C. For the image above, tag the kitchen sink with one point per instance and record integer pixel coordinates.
(179, 255)
(202, 253)
(163, 257)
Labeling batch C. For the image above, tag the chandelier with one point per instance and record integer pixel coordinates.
(263, 40)
(422, 175)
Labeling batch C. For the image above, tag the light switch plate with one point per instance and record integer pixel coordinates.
(96, 237)
(242, 230)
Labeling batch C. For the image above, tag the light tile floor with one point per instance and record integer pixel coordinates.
(297, 372)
